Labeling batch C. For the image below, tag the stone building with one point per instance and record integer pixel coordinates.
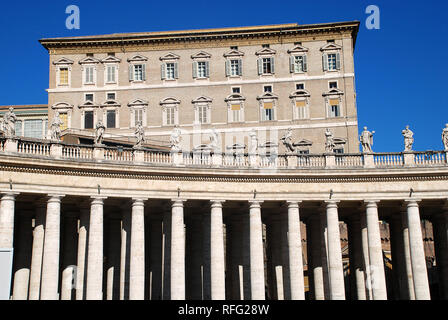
(97, 221)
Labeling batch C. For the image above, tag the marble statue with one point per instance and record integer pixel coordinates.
(253, 145)
(287, 141)
(329, 141)
(366, 139)
(445, 137)
(99, 132)
(9, 123)
(214, 138)
(408, 138)
(175, 139)
(139, 134)
(55, 127)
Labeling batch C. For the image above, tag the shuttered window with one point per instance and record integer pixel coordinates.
(138, 116)
(298, 64)
(268, 111)
(301, 109)
(170, 116)
(63, 76)
(235, 111)
(88, 74)
(331, 61)
(64, 119)
(202, 114)
(110, 74)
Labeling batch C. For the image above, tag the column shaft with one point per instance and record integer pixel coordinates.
(125, 255)
(69, 251)
(256, 252)
(113, 260)
(37, 254)
(7, 207)
(407, 255)
(440, 228)
(357, 264)
(295, 253)
(217, 266)
(177, 271)
(22, 261)
(81, 275)
(137, 268)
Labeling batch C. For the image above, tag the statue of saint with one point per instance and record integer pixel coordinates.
(253, 145)
(9, 123)
(99, 132)
(175, 139)
(55, 127)
(214, 138)
(139, 134)
(366, 139)
(287, 141)
(445, 137)
(329, 141)
(408, 138)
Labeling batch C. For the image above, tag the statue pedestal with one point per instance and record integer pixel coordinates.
(217, 159)
(11, 144)
(98, 152)
(408, 159)
(254, 160)
(330, 160)
(56, 149)
(369, 161)
(292, 160)
(139, 155)
(177, 157)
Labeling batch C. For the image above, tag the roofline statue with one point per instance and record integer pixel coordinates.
(99, 133)
(408, 139)
(9, 123)
(366, 139)
(445, 137)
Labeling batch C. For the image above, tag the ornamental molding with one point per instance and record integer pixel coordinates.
(169, 101)
(61, 106)
(331, 46)
(110, 103)
(138, 58)
(234, 97)
(111, 59)
(88, 104)
(63, 61)
(88, 60)
(169, 56)
(265, 52)
(300, 94)
(138, 103)
(201, 55)
(202, 99)
(333, 92)
(298, 49)
(267, 96)
(233, 54)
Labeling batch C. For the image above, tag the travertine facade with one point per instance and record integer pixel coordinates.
(310, 94)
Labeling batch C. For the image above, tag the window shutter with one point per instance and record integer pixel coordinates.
(325, 62)
(305, 64)
(176, 71)
(291, 64)
(227, 68)
(338, 61)
(272, 65)
(240, 67)
(195, 69)
(207, 69)
(131, 72)
(163, 71)
(144, 72)
(260, 66)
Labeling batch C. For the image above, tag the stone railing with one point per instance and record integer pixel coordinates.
(60, 150)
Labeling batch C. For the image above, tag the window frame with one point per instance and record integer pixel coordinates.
(86, 67)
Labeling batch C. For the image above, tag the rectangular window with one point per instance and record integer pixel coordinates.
(170, 116)
(339, 150)
(332, 65)
(304, 152)
(18, 127)
(300, 86)
(63, 76)
(268, 111)
(110, 96)
(138, 72)
(111, 116)
(234, 67)
(89, 75)
(110, 76)
(88, 120)
(301, 109)
(89, 97)
(267, 89)
(267, 65)
(334, 110)
(138, 116)
(236, 112)
(33, 128)
(298, 64)
(64, 119)
(333, 84)
(170, 75)
(202, 69)
(202, 114)
(236, 90)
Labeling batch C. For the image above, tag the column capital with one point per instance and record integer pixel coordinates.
(217, 203)
(255, 203)
(371, 203)
(97, 199)
(9, 195)
(293, 204)
(332, 203)
(177, 202)
(55, 197)
(139, 201)
(412, 202)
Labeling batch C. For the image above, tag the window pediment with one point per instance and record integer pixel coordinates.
(333, 92)
(299, 94)
(111, 59)
(202, 148)
(236, 147)
(233, 53)
(110, 103)
(303, 143)
(298, 49)
(169, 56)
(168, 101)
(266, 52)
(331, 46)
(89, 60)
(339, 141)
(88, 104)
(62, 61)
(61, 105)
(201, 55)
(138, 58)
(138, 102)
(234, 97)
(202, 99)
(268, 145)
(267, 95)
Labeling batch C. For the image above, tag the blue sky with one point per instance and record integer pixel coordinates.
(400, 71)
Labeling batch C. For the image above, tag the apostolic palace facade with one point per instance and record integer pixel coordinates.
(216, 164)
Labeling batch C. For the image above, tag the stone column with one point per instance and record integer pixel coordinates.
(37, 253)
(95, 254)
(357, 265)
(401, 291)
(440, 228)
(166, 253)
(81, 275)
(365, 256)
(203, 256)
(378, 277)
(50, 263)
(137, 268)
(295, 252)
(217, 267)
(113, 260)
(256, 252)
(315, 257)
(22, 261)
(418, 261)
(407, 253)
(324, 253)
(155, 256)
(69, 253)
(177, 267)
(125, 254)
(7, 205)
(337, 290)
